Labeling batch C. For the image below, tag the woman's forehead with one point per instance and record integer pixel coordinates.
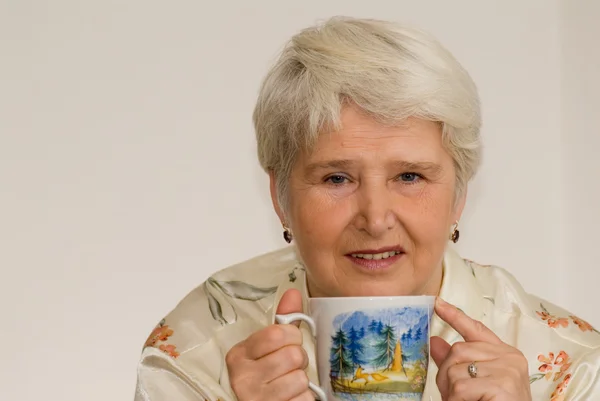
(414, 142)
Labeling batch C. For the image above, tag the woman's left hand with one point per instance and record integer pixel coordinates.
(502, 370)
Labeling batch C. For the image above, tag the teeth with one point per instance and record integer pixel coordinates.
(376, 256)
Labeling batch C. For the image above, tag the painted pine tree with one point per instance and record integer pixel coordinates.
(373, 327)
(385, 348)
(355, 348)
(339, 358)
(418, 334)
(409, 336)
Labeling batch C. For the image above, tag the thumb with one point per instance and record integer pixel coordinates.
(439, 350)
(291, 302)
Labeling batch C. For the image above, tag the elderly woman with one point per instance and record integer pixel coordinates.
(369, 132)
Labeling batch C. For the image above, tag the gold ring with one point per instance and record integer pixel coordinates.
(472, 368)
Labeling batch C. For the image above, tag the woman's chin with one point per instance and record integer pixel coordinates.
(375, 293)
(375, 288)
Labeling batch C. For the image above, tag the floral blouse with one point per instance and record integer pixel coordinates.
(184, 357)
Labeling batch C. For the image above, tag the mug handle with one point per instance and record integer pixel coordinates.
(294, 317)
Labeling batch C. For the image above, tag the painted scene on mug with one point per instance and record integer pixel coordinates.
(380, 353)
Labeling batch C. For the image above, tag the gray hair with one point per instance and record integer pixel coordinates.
(389, 71)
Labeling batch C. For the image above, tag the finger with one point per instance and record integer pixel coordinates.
(461, 352)
(305, 396)
(287, 387)
(469, 329)
(281, 362)
(461, 371)
(485, 388)
(290, 302)
(465, 353)
(439, 350)
(270, 339)
(442, 352)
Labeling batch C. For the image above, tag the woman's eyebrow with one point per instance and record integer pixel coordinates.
(329, 165)
(432, 168)
(342, 164)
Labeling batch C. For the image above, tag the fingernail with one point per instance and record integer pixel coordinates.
(440, 302)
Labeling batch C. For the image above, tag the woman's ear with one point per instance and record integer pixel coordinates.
(459, 204)
(275, 198)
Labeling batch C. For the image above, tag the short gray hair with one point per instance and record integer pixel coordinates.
(388, 70)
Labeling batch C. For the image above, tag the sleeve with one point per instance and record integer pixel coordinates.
(160, 378)
(182, 359)
(583, 383)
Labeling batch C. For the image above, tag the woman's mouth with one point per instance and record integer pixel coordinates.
(375, 259)
(376, 256)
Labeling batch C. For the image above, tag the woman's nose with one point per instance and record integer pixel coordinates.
(375, 211)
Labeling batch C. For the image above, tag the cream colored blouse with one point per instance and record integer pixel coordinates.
(184, 357)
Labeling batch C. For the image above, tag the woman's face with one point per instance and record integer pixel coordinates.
(371, 208)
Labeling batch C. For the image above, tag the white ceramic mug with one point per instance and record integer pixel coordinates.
(369, 347)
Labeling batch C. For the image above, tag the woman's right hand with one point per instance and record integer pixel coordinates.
(269, 365)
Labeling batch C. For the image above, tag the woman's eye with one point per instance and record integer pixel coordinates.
(409, 177)
(336, 179)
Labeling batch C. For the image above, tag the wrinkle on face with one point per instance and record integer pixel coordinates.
(330, 220)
